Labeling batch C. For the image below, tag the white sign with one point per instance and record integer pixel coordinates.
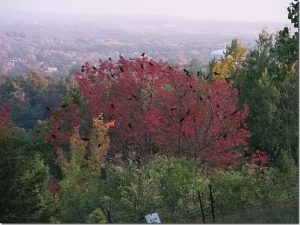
(152, 218)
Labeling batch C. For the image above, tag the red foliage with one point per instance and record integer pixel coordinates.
(64, 122)
(260, 158)
(156, 106)
(4, 115)
(54, 187)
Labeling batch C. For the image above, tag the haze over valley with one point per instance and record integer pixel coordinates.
(59, 43)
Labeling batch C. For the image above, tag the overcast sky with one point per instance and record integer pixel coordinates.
(230, 10)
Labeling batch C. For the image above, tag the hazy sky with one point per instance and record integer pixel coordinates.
(233, 10)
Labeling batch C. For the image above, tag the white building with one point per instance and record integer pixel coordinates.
(218, 54)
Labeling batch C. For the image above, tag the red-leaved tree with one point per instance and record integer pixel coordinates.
(157, 108)
(4, 115)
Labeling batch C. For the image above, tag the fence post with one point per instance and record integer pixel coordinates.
(212, 203)
(201, 207)
(109, 217)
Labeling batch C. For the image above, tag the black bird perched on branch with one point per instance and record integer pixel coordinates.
(85, 139)
(228, 79)
(181, 120)
(187, 72)
(143, 54)
(170, 68)
(112, 105)
(188, 112)
(64, 105)
(53, 135)
(109, 58)
(235, 111)
(121, 68)
(198, 73)
(129, 125)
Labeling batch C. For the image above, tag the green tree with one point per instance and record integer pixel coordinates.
(23, 177)
(268, 83)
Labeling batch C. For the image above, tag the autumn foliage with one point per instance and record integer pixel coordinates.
(4, 119)
(158, 109)
(4, 115)
(260, 158)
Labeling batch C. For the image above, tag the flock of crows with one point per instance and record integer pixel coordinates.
(142, 66)
(187, 73)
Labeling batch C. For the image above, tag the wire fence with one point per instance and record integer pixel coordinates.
(241, 204)
(246, 207)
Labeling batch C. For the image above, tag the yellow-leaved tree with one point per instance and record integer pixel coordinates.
(80, 187)
(234, 57)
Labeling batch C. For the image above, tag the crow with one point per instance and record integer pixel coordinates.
(82, 70)
(188, 112)
(109, 58)
(227, 79)
(247, 154)
(170, 68)
(129, 125)
(198, 73)
(99, 145)
(201, 98)
(181, 120)
(85, 139)
(121, 68)
(143, 54)
(53, 135)
(112, 105)
(218, 106)
(82, 67)
(187, 72)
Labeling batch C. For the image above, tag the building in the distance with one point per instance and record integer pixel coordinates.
(218, 54)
